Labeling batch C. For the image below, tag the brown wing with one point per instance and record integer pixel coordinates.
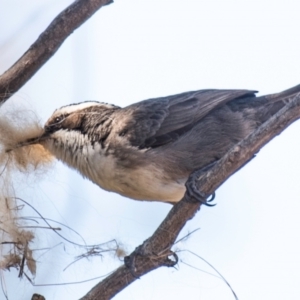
(155, 122)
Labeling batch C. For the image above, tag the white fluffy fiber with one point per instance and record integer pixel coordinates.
(17, 126)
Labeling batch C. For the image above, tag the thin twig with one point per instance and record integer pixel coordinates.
(222, 277)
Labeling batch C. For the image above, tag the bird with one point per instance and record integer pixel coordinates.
(146, 151)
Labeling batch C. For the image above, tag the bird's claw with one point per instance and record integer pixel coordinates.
(212, 198)
(130, 260)
(169, 262)
(194, 193)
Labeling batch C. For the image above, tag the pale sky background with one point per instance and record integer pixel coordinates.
(137, 49)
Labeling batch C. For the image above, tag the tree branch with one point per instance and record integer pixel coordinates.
(47, 44)
(157, 248)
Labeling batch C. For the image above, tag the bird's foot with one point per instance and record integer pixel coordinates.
(130, 261)
(193, 191)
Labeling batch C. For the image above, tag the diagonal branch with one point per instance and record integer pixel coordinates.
(157, 248)
(47, 44)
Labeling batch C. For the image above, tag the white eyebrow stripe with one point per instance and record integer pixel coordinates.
(75, 107)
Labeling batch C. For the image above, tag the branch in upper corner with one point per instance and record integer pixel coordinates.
(157, 248)
(47, 44)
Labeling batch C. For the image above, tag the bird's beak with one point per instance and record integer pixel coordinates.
(31, 141)
(35, 140)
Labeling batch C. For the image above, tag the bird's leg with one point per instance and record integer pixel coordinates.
(193, 191)
(130, 261)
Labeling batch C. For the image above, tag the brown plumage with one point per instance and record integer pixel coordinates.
(147, 150)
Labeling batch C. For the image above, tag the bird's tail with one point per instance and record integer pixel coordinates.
(268, 105)
(285, 94)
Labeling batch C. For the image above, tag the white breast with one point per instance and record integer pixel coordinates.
(148, 183)
(142, 183)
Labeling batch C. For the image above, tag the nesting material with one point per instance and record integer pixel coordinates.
(15, 127)
(15, 242)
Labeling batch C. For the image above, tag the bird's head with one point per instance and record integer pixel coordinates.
(80, 118)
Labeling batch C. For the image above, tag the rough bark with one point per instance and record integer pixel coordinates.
(37, 297)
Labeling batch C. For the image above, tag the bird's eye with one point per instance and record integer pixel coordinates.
(58, 119)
